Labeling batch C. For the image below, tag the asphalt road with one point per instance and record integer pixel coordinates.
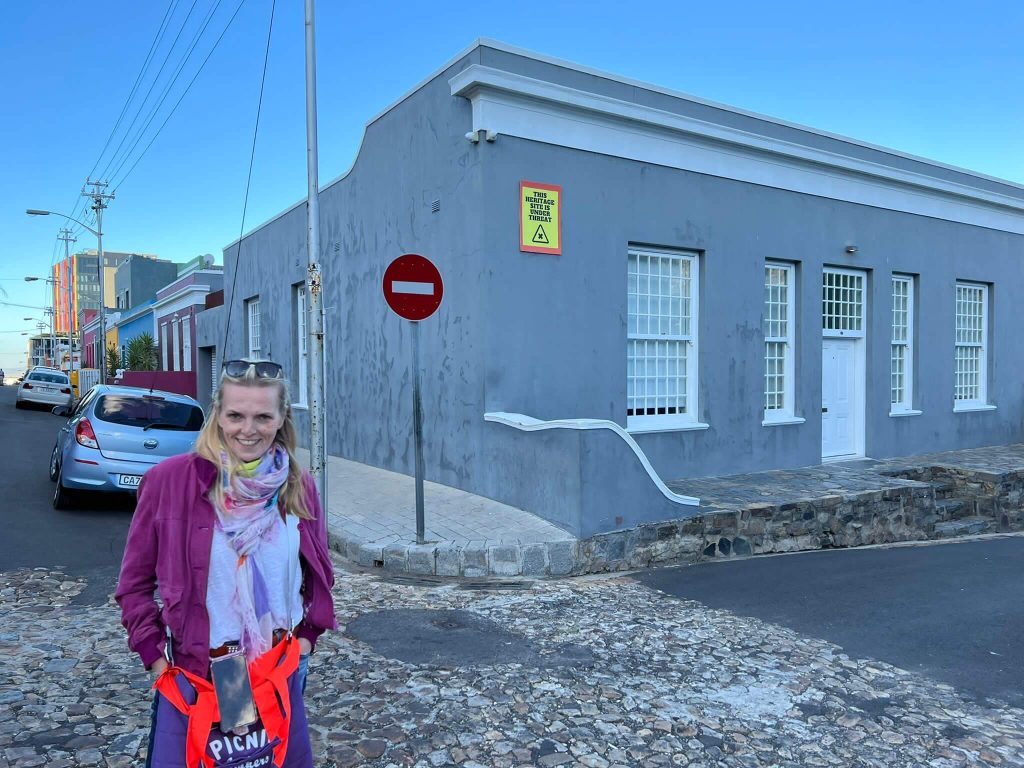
(954, 611)
(87, 541)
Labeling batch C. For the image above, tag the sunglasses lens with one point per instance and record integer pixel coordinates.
(268, 370)
(236, 368)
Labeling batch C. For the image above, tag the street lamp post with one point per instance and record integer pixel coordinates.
(40, 334)
(99, 203)
(65, 235)
(53, 339)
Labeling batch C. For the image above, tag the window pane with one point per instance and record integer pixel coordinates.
(898, 373)
(659, 303)
(842, 301)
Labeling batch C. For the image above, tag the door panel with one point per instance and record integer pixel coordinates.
(839, 415)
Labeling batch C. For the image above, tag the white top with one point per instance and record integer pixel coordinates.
(278, 553)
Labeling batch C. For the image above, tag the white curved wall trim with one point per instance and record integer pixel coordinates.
(529, 424)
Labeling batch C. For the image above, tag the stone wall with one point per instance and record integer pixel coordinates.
(934, 502)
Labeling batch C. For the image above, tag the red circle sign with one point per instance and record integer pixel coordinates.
(413, 287)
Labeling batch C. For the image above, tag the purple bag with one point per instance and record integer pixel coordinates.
(225, 750)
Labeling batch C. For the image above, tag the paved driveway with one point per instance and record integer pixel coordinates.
(954, 612)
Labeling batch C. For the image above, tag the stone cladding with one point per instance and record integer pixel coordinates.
(845, 504)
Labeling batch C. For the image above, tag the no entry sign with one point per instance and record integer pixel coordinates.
(413, 287)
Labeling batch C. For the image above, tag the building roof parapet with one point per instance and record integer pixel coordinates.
(504, 101)
(137, 311)
(190, 280)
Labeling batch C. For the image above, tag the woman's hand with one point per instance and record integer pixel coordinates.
(305, 647)
(158, 667)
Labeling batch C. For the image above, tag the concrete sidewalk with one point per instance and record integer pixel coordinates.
(371, 517)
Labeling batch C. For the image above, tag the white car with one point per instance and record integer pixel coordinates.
(44, 386)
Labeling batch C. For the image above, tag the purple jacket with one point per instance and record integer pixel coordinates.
(169, 545)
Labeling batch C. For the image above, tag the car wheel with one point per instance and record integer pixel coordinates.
(54, 464)
(62, 497)
(18, 404)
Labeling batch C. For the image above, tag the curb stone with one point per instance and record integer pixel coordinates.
(474, 560)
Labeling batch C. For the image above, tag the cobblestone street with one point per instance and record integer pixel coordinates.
(587, 672)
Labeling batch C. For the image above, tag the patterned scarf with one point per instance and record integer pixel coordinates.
(250, 510)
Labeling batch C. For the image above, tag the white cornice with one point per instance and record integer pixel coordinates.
(485, 42)
(181, 299)
(511, 104)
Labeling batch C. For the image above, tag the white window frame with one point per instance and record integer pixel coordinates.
(252, 313)
(786, 414)
(905, 405)
(676, 421)
(981, 401)
(186, 344)
(163, 347)
(843, 324)
(175, 350)
(301, 352)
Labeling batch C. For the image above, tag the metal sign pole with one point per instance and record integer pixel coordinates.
(413, 288)
(417, 427)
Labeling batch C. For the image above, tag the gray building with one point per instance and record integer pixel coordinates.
(139, 277)
(87, 278)
(711, 292)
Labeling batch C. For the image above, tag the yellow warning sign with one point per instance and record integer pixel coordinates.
(540, 218)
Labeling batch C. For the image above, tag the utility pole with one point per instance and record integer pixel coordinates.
(40, 333)
(99, 202)
(52, 312)
(314, 281)
(65, 235)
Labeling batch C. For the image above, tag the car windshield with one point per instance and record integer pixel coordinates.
(48, 378)
(148, 411)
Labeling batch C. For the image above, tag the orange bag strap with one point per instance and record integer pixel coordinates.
(201, 715)
(269, 677)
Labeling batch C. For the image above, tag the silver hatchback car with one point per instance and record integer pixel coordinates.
(115, 434)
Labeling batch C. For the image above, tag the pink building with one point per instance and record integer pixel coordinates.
(175, 311)
(88, 321)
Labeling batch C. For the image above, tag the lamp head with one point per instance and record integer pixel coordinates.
(36, 212)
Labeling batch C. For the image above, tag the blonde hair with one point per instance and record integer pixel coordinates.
(211, 445)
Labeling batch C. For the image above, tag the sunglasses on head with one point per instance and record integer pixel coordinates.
(265, 369)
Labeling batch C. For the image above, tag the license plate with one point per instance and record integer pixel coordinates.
(129, 481)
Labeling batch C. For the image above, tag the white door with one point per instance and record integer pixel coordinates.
(839, 413)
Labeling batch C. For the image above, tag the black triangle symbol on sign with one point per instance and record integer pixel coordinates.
(539, 236)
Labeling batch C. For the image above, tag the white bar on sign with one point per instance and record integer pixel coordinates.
(402, 286)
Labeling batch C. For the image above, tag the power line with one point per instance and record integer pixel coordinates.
(170, 114)
(80, 201)
(248, 180)
(86, 215)
(131, 94)
(152, 85)
(167, 89)
(23, 306)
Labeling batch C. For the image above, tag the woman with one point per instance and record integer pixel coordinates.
(231, 535)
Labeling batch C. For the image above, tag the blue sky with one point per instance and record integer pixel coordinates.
(941, 80)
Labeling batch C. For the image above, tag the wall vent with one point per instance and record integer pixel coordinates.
(435, 206)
